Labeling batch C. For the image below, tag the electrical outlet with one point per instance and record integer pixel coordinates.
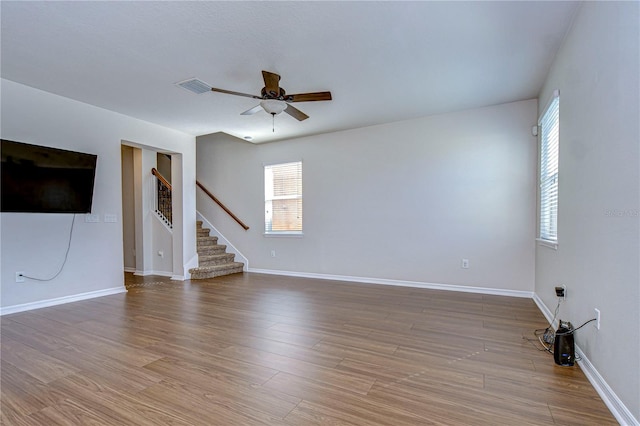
(561, 292)
(465, 264)
(273, 253)
(19, 277)
(92, 218)
(597, 311)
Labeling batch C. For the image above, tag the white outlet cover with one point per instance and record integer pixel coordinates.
(92, 218)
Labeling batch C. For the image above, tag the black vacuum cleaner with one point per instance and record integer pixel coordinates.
(564, 352)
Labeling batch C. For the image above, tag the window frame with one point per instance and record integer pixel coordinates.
(548, 173)
(268, 230)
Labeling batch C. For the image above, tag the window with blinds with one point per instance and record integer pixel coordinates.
(549, 126)
(283, 198)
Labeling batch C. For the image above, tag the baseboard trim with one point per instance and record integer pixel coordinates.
(130, 269)
(398, 283)
(609, 397)
(60, 300)
(158, 273)
(545, 311)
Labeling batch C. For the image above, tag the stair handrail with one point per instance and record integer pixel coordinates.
(161, 178)
(229, 212)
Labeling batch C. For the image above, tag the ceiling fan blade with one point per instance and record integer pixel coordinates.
(271, 83)
(296, 113)
(252, 110)
(309, 97)
(229, 92)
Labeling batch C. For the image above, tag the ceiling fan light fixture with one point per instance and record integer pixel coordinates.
(273, 106)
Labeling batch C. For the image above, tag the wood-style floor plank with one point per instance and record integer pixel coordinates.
(251, 349)
(37, 364)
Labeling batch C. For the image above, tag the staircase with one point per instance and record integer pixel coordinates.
(213, 260)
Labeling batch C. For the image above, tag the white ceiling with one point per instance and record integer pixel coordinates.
(382, 61)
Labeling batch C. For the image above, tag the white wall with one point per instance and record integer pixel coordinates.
(128, 209)
(162, 248)
(35, 243)
(183, 182)
(164, 165)
(144, 183)
(598, 255)
(404, 201)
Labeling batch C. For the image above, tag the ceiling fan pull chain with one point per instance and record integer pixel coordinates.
(273, 122)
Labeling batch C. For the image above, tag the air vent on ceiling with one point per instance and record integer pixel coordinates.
(194, 85)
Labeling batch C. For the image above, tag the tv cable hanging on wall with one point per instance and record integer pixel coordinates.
(64, 262)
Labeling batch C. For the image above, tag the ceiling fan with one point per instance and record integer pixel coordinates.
(274, 100)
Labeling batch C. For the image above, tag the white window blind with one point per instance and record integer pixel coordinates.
(283, 198)
(549, 145)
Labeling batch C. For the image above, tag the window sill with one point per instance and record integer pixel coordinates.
(547, 243)
(283, 234)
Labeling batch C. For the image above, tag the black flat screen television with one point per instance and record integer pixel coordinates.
(38, 179)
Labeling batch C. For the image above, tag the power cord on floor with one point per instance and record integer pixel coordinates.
(545, 336)
(66, 255)
(544, 348)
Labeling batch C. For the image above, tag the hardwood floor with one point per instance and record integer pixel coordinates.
(253, 349)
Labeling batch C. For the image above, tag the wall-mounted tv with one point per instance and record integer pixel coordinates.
(38, 179)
